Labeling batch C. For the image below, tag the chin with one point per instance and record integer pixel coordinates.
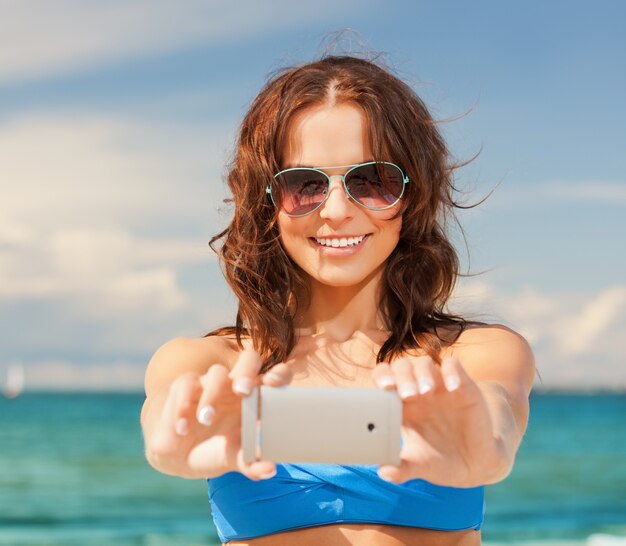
(339, 282)
(344, 278)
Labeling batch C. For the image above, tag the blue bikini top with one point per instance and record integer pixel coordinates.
(307, 495)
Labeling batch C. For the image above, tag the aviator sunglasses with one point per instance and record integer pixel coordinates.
(375, 185)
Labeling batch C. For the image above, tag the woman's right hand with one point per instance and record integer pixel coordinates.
(198, 431)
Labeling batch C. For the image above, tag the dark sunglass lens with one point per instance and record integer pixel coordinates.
(375, 186)
(301, 190)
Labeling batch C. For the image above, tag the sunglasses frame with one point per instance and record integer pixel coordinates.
(405, 181)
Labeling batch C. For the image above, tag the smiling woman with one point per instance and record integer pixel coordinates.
(339, 257)
(340, 111)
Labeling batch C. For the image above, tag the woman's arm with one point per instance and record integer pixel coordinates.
(502, 364)
(463, 421)
(191, 417)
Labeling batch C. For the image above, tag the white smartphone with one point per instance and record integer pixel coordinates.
(332, 425)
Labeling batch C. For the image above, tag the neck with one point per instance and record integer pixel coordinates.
(340, 313)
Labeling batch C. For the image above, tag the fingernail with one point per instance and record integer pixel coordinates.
(426, 384)
(407, 390)
(268, 475)
(182, 427)
(243, 385)
(386, 382)
(206, 414)
(452, 382)
(274, 377)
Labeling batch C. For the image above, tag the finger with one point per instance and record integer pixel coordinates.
(396, 474)
(214, 382)
(258, 470)
(407, 469)
(453, 374)
(426, 374)
(184, 394)
(383, 376)
(246, 371)
(280, 374)
(405, 379)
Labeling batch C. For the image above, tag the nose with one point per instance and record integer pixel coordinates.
(338, 205)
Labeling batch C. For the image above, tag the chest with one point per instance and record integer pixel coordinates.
(346, 364)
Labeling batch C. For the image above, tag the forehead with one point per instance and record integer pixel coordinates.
(327, 135)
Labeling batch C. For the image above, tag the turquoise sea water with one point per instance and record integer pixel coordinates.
(72, 472)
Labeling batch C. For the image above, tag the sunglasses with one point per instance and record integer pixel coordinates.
(375, 185)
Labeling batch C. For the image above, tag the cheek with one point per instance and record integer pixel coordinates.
(395, 226)
(285, 226)
(393, 236)
(290, 232)
(392, 229)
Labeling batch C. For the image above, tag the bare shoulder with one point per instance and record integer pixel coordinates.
(495, 352)
(186, 355)
(476, 335)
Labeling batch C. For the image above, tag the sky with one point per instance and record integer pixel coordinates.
(117, 120)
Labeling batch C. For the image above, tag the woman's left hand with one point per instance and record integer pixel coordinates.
(447, 429)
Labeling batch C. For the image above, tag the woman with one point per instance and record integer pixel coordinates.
(339, 258)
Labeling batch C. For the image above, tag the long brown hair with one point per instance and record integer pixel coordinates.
(422, 270)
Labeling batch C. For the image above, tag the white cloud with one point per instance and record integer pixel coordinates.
(470, 292)
(75, 190)
(580, 334)
(94, 171)
(64, 374)
(40, 38)
(558, 193)
(101, 272)
(98, 293)
(93, 251)
(600, 190)
(578, 339)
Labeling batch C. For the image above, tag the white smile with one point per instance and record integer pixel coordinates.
(340, 242)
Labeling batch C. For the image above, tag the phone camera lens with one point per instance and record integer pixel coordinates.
(371, 426)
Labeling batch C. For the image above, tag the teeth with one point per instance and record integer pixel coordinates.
(343, 242)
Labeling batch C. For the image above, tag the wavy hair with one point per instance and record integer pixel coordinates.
(422, 270)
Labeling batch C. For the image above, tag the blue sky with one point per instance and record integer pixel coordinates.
(116, 120)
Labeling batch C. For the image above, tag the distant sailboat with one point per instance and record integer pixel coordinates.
(14, 384)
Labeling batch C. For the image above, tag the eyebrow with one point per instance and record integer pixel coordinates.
(298, 166)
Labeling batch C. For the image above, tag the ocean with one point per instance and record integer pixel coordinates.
(72, 472)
